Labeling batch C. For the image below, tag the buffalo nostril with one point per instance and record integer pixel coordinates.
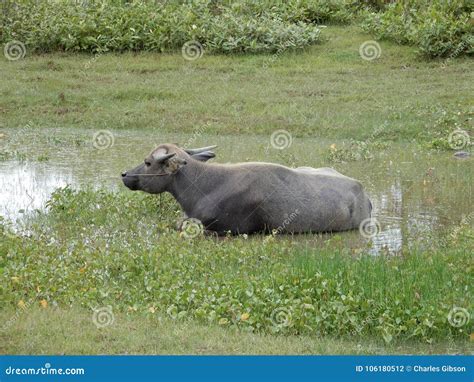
(124, 174)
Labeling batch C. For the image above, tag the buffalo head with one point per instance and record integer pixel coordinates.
(161, 165)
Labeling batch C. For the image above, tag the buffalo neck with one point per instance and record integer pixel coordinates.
(193, 182)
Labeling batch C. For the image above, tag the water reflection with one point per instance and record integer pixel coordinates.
(416, 196)
(27, 186)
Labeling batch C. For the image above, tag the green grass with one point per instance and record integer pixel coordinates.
(97, 248)
(326, 91)
(72, 331)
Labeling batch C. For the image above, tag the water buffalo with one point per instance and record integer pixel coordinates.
(254, 196)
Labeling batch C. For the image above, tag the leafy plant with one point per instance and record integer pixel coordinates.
(99, 248)
(354, 151)
(100, 26)
(438, 28)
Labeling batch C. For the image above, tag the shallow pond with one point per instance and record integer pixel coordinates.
(417, 195)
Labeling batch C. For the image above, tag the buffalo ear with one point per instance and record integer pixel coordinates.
(172, 165)
(204, 156)
(162, 158)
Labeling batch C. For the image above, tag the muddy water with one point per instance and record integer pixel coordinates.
(417, 195)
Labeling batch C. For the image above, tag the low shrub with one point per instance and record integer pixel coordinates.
(308, 11)
(268, 34)
(438, 28)
(103, 25)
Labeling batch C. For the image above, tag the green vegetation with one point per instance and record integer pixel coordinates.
(100, 26)
(72, 331)
(438, 28)
(326, 92)
(354, 151)
(98, 248)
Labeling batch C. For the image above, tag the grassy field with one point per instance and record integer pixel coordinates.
(96, 249)
(327, 91)
(74, 333)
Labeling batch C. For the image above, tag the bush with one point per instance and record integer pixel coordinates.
(308, 11)
(267, 35)
(101, 25)
(438, 28)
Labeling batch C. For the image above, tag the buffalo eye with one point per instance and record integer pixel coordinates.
(147, 163)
